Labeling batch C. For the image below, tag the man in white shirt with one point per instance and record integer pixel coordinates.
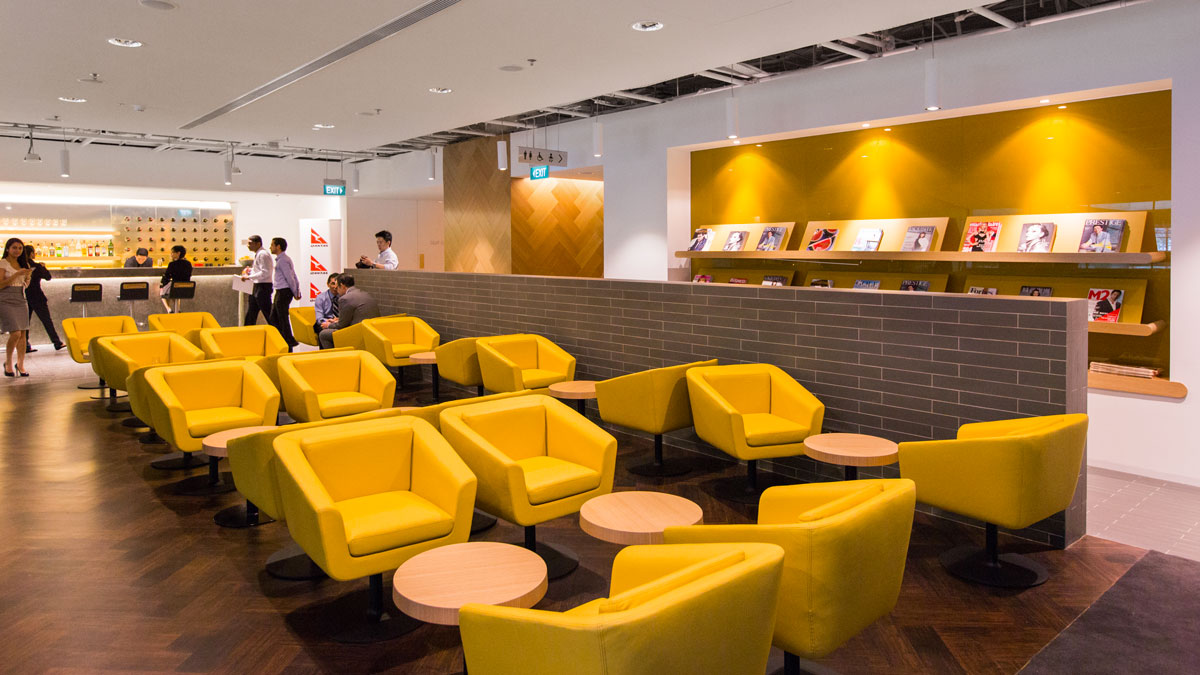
(386, 260)
(262, 273)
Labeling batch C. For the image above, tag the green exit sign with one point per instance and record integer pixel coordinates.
(536, 172)
(335, 188)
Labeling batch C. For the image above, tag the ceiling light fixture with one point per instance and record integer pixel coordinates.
(502, 155)
(124, 42)
(94, 78)
(1045, 100)
(647, 26)
(159, 4)
(318, 125)
(866, 125)
(64, 163)
(597, 138)
(30, 155)
(432, 175)
(440, 90)
(72, 99)
(354, 178)
(731, 117)
(228, 171)
(933, 95)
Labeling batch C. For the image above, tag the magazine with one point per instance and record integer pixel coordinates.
(701, 240)
(774, 280)
(919, 238)
(702, 279)
(1104, 304)
(981, 237)
(1036, 238)
(914, 285)
(822, 240)
(1043, 291)
(868, 284)
(980, 290)
(867, 240)
(771, 238)
(822, 283)
(736, 240)
(1102, 236)
(737, 280)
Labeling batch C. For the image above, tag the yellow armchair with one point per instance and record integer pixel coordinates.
(516, 362)
(693, 608)
(393, 339)
(80, 331)
(187, 324)
(352, 336)
(1009, 473)
(845, 546)
(752, 411)
(326, 385)
(123, 354)
(364, 497)
(536, 459)
(190, 401)
(655, 402)
(270, 364)
(248, 342)
(143, 414)
(304, 321)
(458, 361)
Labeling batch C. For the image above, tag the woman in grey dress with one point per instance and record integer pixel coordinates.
(14, 313)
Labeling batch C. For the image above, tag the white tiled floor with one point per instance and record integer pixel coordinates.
(1144, 512)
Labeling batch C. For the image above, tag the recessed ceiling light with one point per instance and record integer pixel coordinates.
(931, 108)
(159, 4)
(1062, 107)
(440, 90)
(322, 126)
(647, 26)
(1045, 100)
(124, 42)
(72, 99)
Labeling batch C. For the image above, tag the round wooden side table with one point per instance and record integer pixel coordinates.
(851, 451)
(636, 517)
(216, 447)
(430, 359)
(575, 390)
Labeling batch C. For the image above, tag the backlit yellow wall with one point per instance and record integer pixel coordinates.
(558, 227)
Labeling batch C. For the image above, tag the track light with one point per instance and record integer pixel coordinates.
(597, 138)
(731, 117)
(354, 178)
(502, 155)
(64, 163)
(932, 90)
(30, 155)
(432, 175)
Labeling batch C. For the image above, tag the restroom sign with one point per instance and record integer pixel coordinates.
(541, 156)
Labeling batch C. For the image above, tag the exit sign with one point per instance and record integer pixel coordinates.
(335, 188)
(536, 172)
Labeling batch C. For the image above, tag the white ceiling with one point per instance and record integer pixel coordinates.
(209, 52)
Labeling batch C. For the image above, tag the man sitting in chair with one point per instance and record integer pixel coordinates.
(353, 306)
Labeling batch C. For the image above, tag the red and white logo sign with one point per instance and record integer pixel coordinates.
(316, 238)
(315, 266)
(313, 291)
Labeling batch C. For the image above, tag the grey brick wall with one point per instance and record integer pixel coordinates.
(905, 366)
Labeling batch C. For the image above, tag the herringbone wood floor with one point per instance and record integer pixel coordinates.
(102, 570)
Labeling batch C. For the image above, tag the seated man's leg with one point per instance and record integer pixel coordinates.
(325, 338)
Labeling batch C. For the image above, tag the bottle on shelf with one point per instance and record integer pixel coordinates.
(110, 248)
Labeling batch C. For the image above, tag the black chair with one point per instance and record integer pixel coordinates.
(85, 294)
(181, 290)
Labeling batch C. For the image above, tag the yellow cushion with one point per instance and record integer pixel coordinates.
(548, 478)
(201, 423)
(767, 429)
(341, 403)
(840, 504)
(390, 520)
(537, 377)
(646, 592)
(403, 350)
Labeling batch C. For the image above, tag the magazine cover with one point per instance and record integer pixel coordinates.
(981, 237)
(702, 279)
(915, 285)
(771, 238)
(737, 280)
(822, 240)
(1036, 238)
(980, 290)
(774, 280)
(701, 240)
(822, 283)
(1104, 304)
(1043, 291)
(919, 238)
(867, 240)
(1102, 236)
(868, 284)
(736, 240)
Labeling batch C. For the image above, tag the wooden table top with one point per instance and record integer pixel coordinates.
(433, 585)
(404, 408)
(636, 517)
(422, 358)
(851, 449)
(214, 444)
(574, 389)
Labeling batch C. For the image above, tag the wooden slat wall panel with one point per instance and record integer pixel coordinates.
(477, 206)
(558, 227)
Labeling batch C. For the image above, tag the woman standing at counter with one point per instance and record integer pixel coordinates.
(179, 269)
(14, 313)
(35, 297)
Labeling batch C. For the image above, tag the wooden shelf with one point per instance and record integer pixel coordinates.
(1137, 385)
(936, 256)
(1135, 329)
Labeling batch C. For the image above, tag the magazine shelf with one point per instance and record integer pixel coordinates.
(1133, 329)
(1137, 385)
(1149, 258)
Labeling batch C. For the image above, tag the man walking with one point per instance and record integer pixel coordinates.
(262, 273)
(287, 288)
(354, 306)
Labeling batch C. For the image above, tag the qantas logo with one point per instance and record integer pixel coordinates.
(316, 238)
(315, 266)
(313, 291)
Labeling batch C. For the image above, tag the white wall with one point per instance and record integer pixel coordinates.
(416, 226)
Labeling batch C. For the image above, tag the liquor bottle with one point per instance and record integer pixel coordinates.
(110, 248)
(159, 263)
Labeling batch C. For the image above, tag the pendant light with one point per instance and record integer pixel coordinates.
(597, 138)
(933, 97)
(64, 158)
(432, 174)
(30, 155)
(502, 155)
(354, 178)
(228, 172)
(731, 117)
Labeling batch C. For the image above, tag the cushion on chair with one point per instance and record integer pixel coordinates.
(535, 378)
(649, 591)
(342, 403)
(548, 478)
(201, 423)
(767, 429)
(402, 350)
(747, 392)
(844, 503)
(388, 520)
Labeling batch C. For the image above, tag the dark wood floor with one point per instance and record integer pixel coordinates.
(101, 570)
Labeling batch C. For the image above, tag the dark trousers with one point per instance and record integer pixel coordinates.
(279, 315)
(260, 301)
(43, 312)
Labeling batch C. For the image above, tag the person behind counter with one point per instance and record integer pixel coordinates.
(140, 258)
(179, 269)
(262, 273)
(386, 260)
(35, 297)
(14, 313)
(287, 288)
(354, 306)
